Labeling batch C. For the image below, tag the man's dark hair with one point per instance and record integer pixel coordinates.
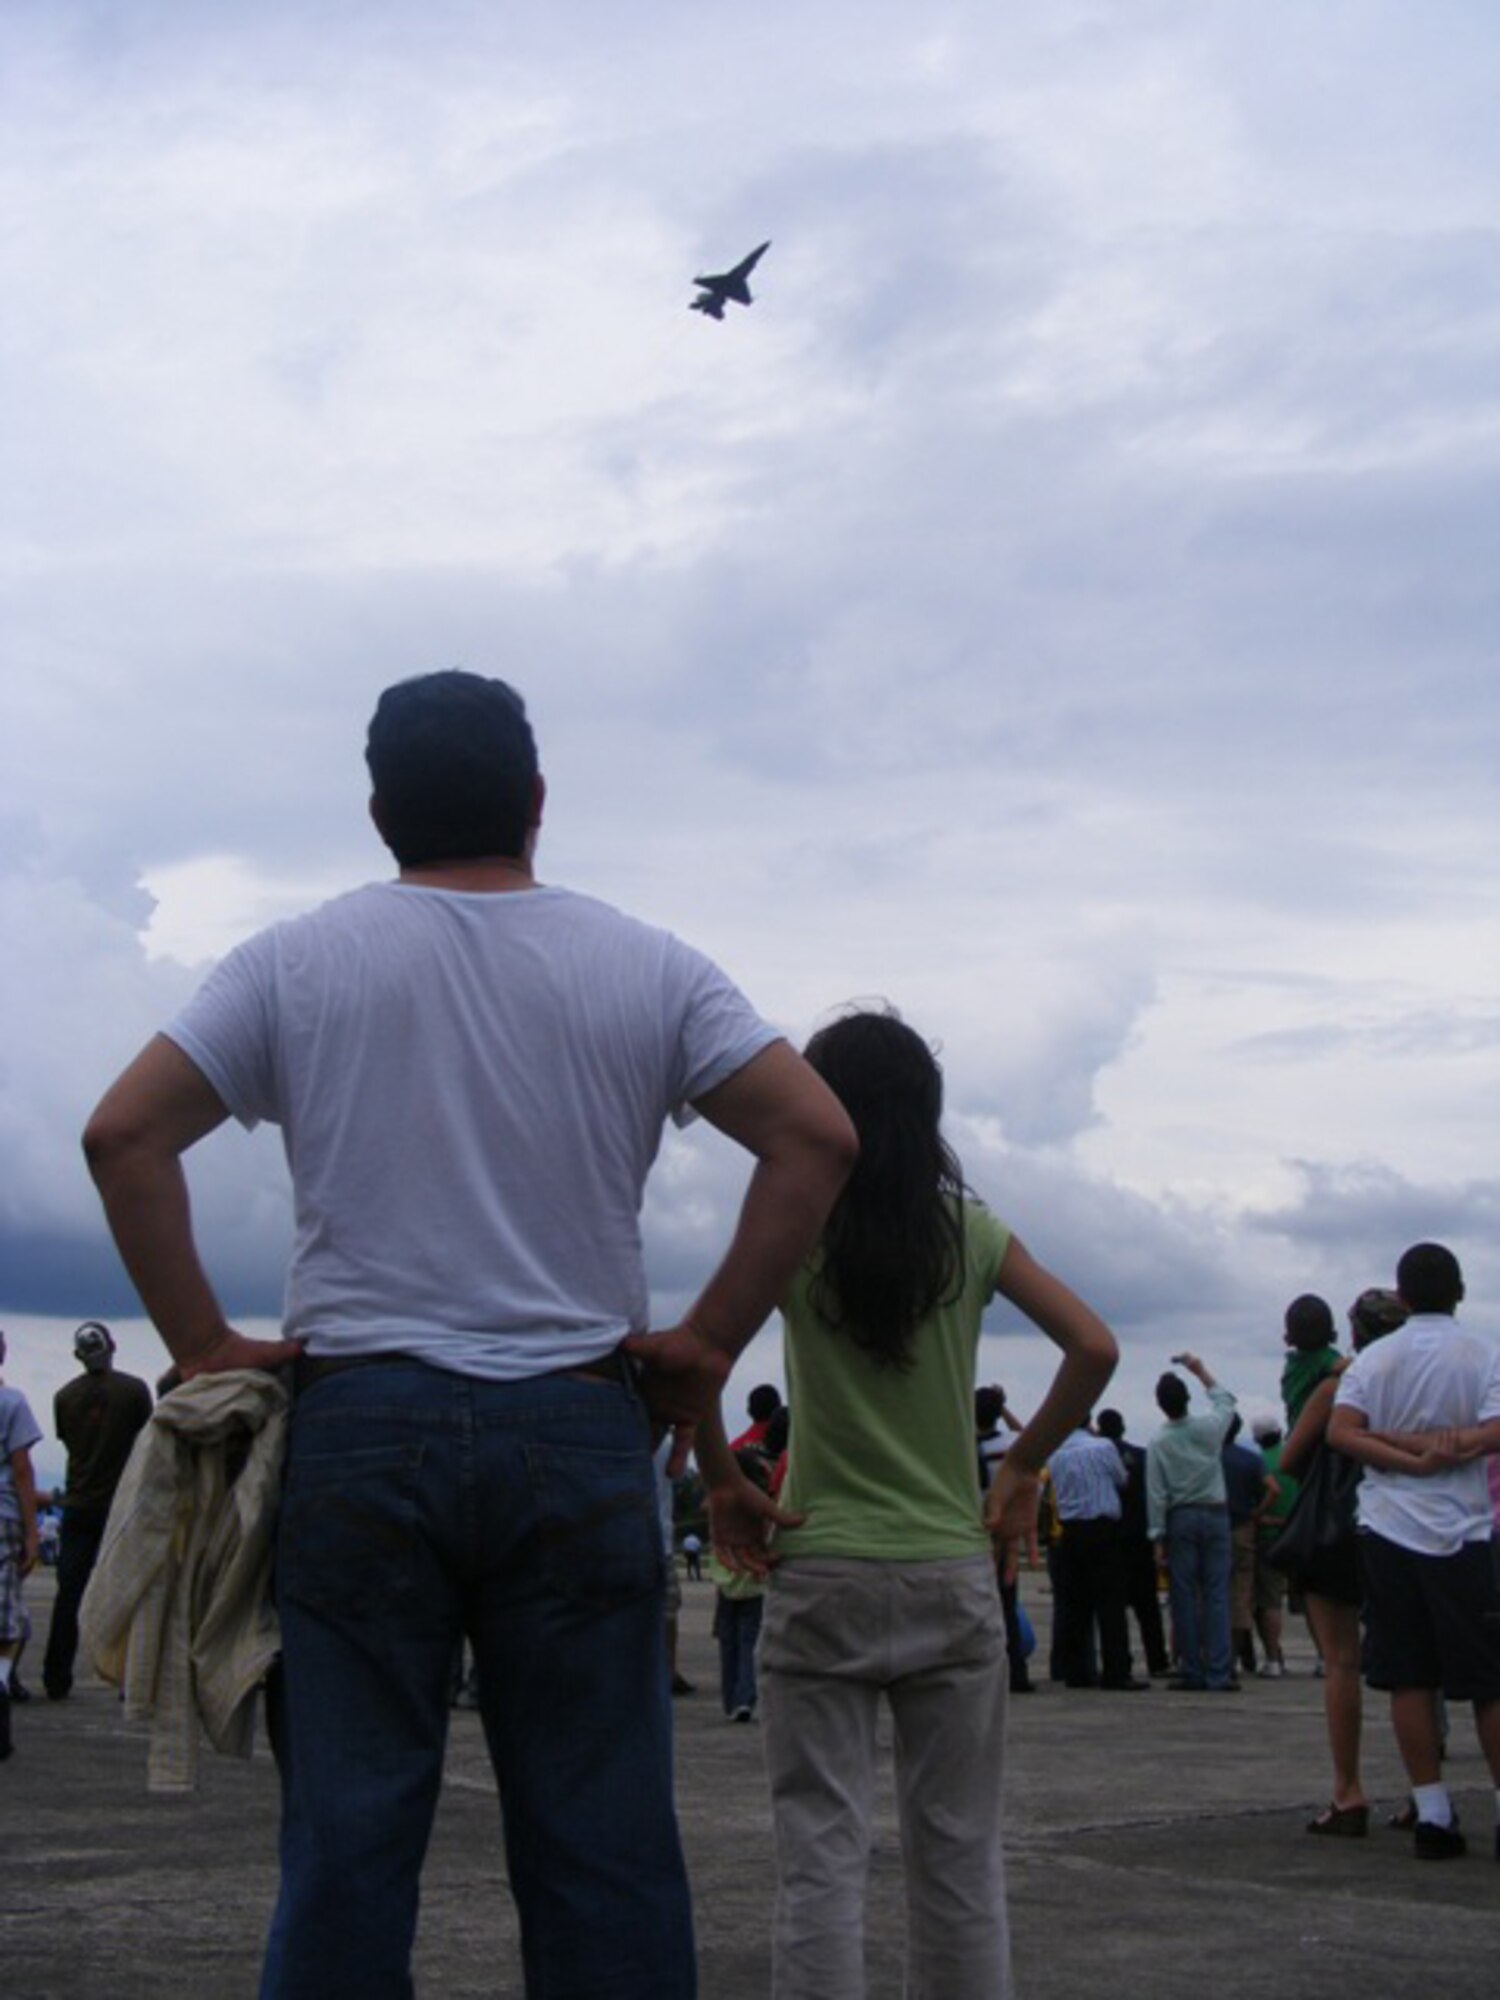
(1172, 1395)
(1429, 1280)
(1110, 1424)
(1309, 1324)
(988, 1405)
(453, 765)
(763, 1402)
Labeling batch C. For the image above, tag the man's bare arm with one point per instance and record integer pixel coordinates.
(1349, 1431)
(804, 1146)
(1195, 1366)
(147, 1119)
(1469, 1441)
(22, 1473)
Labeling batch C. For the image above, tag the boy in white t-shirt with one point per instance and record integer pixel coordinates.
(1421, 1411)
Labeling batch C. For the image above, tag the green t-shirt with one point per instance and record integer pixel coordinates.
(881, 1458)
(1300, 1375)
(732, 1583)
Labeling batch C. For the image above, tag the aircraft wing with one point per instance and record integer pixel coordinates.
(734, 282)
(746, 265)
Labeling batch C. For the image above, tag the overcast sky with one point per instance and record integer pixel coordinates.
(1065, 603)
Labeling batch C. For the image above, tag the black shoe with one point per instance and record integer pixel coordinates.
(1438, 1843)
(56, 1691)
(682, 1686)
(17, 1691)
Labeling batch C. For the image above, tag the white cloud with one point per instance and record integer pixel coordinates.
(1064, 603)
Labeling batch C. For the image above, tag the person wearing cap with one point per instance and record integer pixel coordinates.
(472, 1071)
(18, 1535)
(98, 1417)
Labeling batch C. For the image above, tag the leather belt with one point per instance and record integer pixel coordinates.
(616, 1366)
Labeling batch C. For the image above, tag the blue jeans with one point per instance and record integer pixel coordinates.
(1198, 1558)
(419, 1506)
(737, 1627)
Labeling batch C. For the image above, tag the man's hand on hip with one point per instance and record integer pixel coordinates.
(681, 1376)
(229, 1350)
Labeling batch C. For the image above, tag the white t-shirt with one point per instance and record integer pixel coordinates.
(471, 1090)
(1431, 1374)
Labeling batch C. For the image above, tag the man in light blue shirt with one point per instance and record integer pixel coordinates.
(1088, 1484)
(1188, 1516)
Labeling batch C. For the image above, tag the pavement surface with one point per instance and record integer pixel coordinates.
(1156, 1848)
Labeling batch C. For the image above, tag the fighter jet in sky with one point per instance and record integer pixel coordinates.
(726, 285)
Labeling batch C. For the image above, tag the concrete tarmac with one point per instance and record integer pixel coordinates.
(1156, 1848)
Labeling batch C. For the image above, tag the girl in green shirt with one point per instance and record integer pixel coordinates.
(882, 1578)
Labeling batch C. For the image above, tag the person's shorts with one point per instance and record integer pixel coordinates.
(1431, 1621)
(12, 1612)
(1270, 1584)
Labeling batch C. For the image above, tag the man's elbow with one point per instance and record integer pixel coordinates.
(1344, 1430)
(838, 1145)
(110, 1139)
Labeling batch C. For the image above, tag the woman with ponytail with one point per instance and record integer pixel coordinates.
(882, 1574)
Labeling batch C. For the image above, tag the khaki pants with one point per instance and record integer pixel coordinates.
(928, 1636)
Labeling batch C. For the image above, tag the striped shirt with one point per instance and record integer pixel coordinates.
(1088, 1478)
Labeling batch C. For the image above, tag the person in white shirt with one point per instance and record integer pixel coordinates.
(471, 1071)
(1420, 1410)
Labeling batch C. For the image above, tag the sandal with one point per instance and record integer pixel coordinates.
(1342, 1822)
(1404, 1820)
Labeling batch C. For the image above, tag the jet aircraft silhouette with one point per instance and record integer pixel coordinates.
(724, 286)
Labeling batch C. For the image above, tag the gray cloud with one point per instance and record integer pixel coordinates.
(1370, 1210)
(1065, 603)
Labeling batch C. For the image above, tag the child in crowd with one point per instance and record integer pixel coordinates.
(737, 1614)
(1312, 1355)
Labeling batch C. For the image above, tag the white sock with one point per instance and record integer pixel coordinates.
(1433, 1804)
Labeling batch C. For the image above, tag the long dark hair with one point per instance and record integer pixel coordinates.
(893, 1248)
